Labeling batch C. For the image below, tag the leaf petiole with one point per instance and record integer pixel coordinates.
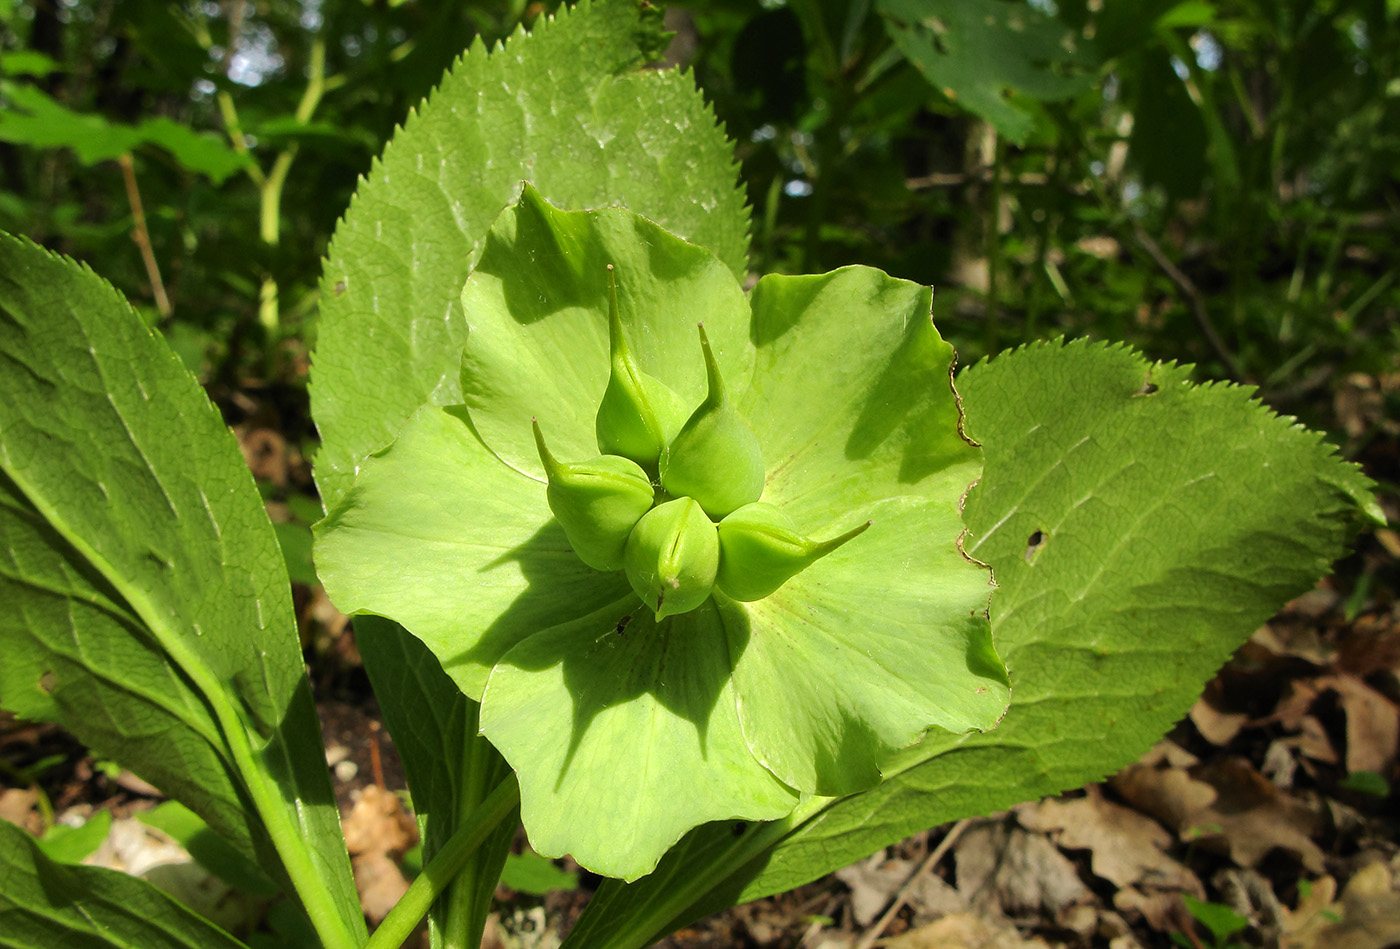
(444, 865)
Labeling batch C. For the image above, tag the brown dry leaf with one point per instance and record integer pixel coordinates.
(265, 451)
(1290, 640)
(1163, 910)
(1254, 817)
(1372, 644)
(378, 823)
(1369, 912)
(1389, 540)
(1125, 847)
(1315, 912)
(380, 883)
(1373, 723)
(931, 897)
(964, 931)
(1001, 866)
(1169, 794)
(1297, 700)
(1247, 817)
(873, 883)
(1279, 765)
(1216, 725)
(1359, 403)
(17, 805)
(1169, 752)
(377, 832)
(1313, 742)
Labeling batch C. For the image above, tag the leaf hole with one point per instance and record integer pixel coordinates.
(1034, 543)
(622, 624)
(739, 828)
(1148, 388)
(339, 287)
(48, 682)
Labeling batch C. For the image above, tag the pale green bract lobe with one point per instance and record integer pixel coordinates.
(637, 703)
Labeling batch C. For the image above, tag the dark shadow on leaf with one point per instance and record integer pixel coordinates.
(916, 367)
(559, 246)
(559, 590)
(682, 662)
(608, 643)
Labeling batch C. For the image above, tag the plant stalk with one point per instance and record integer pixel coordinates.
(440, 871)
(142, 236)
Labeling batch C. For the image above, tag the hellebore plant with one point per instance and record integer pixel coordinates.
(700, 585)
(610, 542)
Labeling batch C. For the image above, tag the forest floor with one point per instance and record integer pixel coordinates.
(1266, 818)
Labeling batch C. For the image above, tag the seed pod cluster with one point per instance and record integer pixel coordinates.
(673, 500)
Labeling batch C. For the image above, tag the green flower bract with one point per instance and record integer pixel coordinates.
(625, 730)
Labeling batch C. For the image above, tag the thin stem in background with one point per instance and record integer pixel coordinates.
(142, 237)
(270, 222)
(1193, 296)
(270, 184)
(875, 932)
(441, 869)
(992, 314)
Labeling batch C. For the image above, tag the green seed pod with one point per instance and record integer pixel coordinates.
(672, 556)
(639, 414)
(716, 458)
(597, 502)
(760, 550)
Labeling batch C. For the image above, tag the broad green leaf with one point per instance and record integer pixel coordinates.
(855, 349)
(211, 851)
(122, 481)
(449, 768)
(201, 152)
(1139, 528)
(566, 107)
(64, 844)
(531, 873)
(984, 54)
(458, 547)
(855, 657)
(1222, 921)
(44, 904)
(106, 660)
(537, 305)
(27, 62)
(33, 118)
(876, 440)
(567, 707)
(1172, 523)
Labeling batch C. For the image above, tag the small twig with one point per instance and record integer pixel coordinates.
(875, 932)
(376, 764)
(1193, 296)
(142, 237)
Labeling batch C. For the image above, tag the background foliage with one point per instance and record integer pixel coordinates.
(1212, 181)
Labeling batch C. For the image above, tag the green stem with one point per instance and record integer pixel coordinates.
(439, 872)
(468, 896)
(270, 208)
(237, 139)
